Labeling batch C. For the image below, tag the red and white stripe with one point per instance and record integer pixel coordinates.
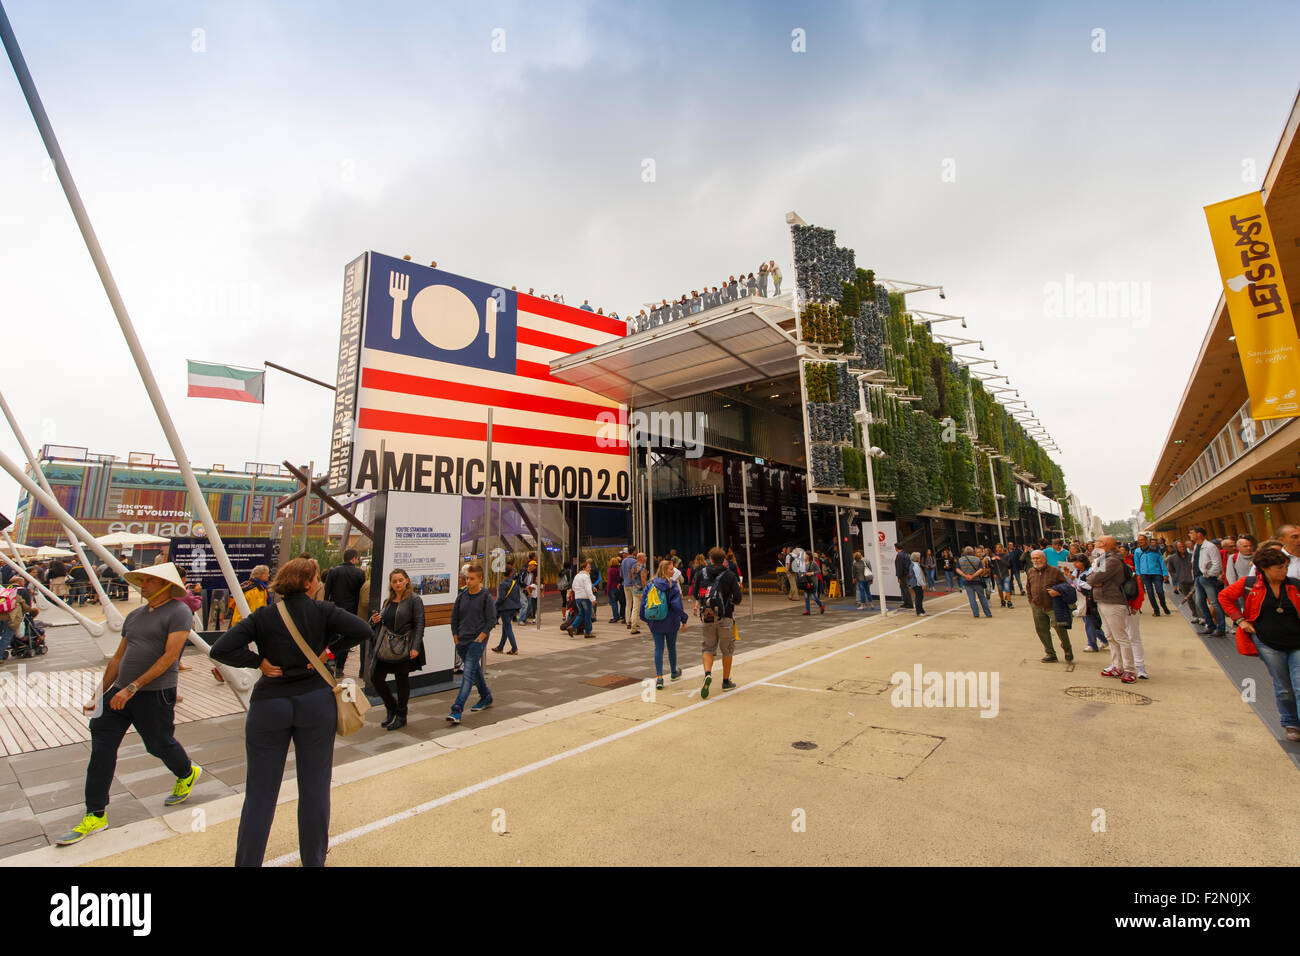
(441, 408)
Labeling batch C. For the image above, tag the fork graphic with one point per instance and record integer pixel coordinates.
(398, 284)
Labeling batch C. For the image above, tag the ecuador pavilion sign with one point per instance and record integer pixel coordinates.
(423, 355)
(1257, 305)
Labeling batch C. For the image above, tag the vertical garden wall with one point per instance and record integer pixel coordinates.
(928, 412)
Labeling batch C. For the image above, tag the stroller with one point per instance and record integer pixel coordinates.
(570, 614)
(30, 641)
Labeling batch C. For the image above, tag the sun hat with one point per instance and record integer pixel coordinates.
(166, 572)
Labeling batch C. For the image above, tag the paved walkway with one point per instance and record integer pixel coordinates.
(41, 791)
(814, 761)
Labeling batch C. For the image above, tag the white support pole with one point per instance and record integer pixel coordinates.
(95, 628)
(487, 505)
(238, 679)
(541, 548)
(997, 511)
(650, 508)
(749, 561)
(877, 570)
(119, 307)
(875, 532)
(807, 444)
(839, 546)
(631, 472)
(111, 614)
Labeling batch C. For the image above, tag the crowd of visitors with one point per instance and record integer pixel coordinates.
(706, 297)
(300, 641)
(697, 300)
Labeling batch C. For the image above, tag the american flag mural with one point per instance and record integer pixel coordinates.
(438, 350)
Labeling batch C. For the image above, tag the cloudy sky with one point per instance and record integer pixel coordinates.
(234, 156)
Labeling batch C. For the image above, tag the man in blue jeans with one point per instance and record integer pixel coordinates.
(1150, 566)
(1017, 560)
(973, 573)
(1207, 565)
(472, 618)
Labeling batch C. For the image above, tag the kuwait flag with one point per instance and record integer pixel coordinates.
(225, 381)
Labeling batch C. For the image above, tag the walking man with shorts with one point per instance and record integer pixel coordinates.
(717, 592)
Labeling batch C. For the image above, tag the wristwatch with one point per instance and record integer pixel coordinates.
(132, 688)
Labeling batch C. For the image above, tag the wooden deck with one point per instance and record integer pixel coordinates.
(31, 725)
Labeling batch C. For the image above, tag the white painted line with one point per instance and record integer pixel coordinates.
(815, 690)
(407, 814)
(143, 833)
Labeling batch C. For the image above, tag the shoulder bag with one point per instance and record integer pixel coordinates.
(391, 647)
(352, 706)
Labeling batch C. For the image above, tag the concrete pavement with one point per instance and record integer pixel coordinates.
(812, 761)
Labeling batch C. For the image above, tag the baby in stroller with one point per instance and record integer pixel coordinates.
(20, 634)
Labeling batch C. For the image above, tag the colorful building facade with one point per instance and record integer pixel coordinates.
(148, 495)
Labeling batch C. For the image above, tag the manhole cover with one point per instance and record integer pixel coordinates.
(612, 680)
(804, 745)
(1107, 695)
(861, 686)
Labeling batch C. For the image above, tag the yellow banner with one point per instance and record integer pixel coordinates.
(1257, 305)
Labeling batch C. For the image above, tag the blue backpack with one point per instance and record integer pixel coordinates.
(656, 603)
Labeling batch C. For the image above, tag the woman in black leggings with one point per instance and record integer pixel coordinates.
(403, 614)
(290, 702)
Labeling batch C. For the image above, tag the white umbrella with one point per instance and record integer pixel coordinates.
(22, 550)
(49, 552)
(126, 539)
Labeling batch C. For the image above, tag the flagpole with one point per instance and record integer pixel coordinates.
(252, 494)
(119, 306)
(257, 455)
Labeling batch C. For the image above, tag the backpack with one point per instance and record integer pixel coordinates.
(1129, 583)
(656, 604)
(713, 606)
(8, 600)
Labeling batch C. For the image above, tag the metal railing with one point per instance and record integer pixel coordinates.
(1240, 435)
(699, 303)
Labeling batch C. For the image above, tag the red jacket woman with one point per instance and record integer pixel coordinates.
(1230, 595)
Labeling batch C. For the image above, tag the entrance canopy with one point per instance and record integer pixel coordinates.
(700, 353)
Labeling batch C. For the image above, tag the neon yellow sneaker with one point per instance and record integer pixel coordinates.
(181, 792)
(89, 824)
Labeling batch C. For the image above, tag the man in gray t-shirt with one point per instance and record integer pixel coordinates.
(139, 690)
(144, 637)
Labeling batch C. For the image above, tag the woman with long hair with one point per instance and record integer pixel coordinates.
(664, 631)
(862, 576)
(402, 614)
